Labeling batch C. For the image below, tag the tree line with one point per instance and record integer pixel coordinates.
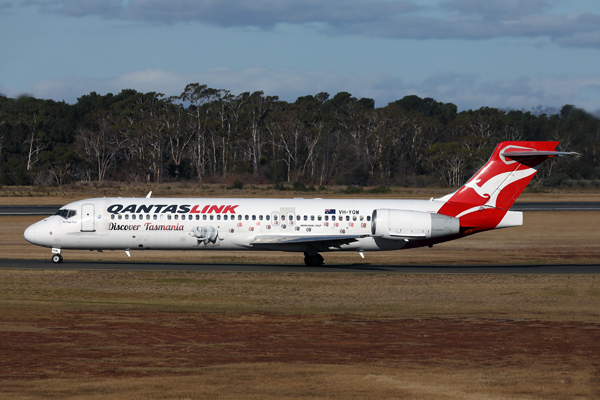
(212, 135)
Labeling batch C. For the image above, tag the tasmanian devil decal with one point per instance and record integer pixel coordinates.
(309, 226)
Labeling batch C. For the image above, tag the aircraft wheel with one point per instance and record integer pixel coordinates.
(313, 261)
(57, 258)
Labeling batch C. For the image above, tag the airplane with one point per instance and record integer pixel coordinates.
(309, 226)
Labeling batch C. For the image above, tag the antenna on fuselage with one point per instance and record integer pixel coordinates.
(149, 194)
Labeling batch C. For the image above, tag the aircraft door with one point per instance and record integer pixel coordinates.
(87, 218)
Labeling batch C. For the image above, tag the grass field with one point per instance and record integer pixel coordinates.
(164, 335)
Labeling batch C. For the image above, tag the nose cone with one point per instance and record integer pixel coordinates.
(30, 234)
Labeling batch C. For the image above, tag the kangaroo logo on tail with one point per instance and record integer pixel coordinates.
(494, 186)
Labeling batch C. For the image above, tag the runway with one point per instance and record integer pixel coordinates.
(586, 269)
(519, 206)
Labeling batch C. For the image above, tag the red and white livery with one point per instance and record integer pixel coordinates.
(310, 226)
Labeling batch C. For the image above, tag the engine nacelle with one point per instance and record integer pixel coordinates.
(406, 224)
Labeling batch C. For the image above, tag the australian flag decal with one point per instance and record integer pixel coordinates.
(330, 211)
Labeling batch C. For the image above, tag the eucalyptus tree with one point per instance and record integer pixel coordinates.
(286, 130)
(101, 142)
(31, 115)
(179, 137)
(257, 107)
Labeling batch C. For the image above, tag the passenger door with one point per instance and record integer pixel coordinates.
(87, 218)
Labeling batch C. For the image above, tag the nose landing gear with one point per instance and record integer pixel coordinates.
(313, 260)
(56, 257)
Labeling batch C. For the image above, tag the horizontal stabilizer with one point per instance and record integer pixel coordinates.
(516, 155)
(511, 218)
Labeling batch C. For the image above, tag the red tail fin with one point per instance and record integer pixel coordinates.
(486, 197)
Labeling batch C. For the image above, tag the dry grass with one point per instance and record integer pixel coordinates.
(112, 335)
(540, 297)
(293, 381)
(81, 334)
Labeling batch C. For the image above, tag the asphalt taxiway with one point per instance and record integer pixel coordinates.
(586, 269)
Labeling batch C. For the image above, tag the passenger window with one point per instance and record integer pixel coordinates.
(147, 217)
(162, 216)
(155, 217)
(176, 216)
(319, 217)
(169, 217)
(327, 218)
(133, 217)
(368, 217)
(260, 217)
(225, 217)
(254, 218)
(362, 217)
(212, 217)
(274, 217)
(204, 217)
(354, 218)
(239, 217)
(268, 217)
(341, 218)
(120, 216)
(306, 217)
(197, 217)
(112, 216)
(298, 217)
(126, 216)
(347, 218)
(312, 217)
(246, 217)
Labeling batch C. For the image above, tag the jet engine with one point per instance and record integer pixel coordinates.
(406, 224)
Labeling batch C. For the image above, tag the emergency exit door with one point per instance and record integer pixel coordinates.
(87, 218)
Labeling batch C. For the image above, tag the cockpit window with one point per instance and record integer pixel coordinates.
(66, 214)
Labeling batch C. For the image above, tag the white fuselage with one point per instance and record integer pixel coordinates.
(223, 224)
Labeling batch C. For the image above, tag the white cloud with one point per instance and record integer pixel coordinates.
(494, 9)
(455, 19)
(467, 91)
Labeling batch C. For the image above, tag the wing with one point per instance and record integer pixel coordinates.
(292, 239)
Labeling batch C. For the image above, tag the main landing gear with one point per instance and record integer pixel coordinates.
(313, 260)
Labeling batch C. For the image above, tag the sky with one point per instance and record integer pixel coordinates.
(474, 53)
